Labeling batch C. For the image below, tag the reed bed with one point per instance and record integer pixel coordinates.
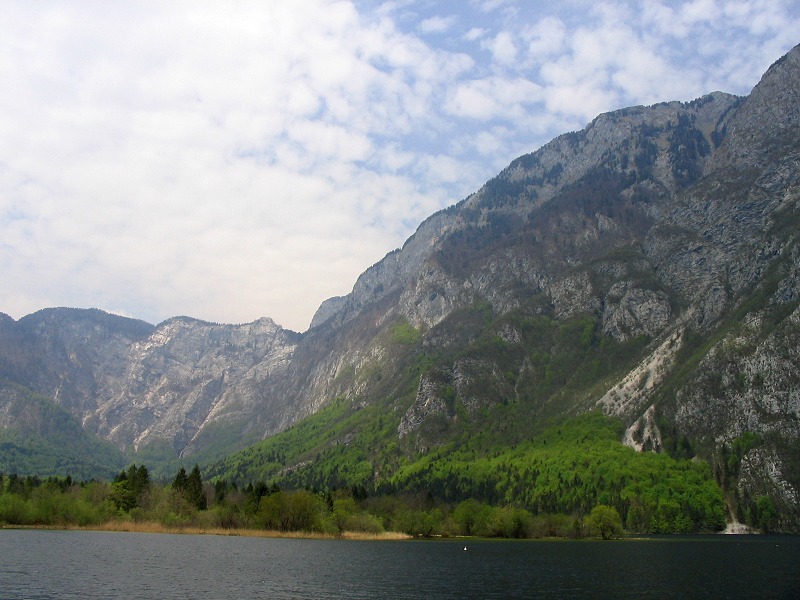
(156, 527)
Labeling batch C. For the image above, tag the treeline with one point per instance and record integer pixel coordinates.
(54, 501)
(550, 485)
(190, 502)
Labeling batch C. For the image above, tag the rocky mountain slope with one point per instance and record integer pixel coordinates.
(141, 386)
(647, 266)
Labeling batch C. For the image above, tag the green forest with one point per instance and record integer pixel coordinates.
(189, 503)
(573, 480)
(567, 469)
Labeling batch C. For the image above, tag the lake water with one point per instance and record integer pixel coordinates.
(79, 564)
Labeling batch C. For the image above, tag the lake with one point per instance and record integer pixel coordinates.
(82, 564)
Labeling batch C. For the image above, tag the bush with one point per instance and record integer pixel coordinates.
(291, 511)
(605, 522)
(553, 525)
(14, 510)
(363, 522)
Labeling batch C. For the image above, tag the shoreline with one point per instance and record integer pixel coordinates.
(155, 527)
(158, 528)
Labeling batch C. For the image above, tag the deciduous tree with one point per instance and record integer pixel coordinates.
(605, 522)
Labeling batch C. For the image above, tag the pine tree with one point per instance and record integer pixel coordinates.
(181, 481)
(194, 489)
(142, 480)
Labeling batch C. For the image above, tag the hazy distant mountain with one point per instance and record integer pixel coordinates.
(647, 266)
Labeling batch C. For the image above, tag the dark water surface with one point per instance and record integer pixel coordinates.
(79, 564)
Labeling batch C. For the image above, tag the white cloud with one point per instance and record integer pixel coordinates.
(487, 6)
(493, 97)
(475, 33)
(330, 142)
(545, 38)
(699, 11)
(436, 24)
(502, 47)
(489, 143)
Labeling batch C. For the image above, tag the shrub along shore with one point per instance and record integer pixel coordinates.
(132, 503)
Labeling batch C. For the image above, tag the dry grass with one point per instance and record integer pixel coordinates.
(363, 535)
(155, 527)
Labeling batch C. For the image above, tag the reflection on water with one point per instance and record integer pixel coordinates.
(69, 564)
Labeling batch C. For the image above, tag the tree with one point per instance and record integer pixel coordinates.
(140, 479)
(194, 489)
(766, 513)
(16, 485)
(129, 487)
(121, 493)
(605, 522)
(181, 481)
(190, 487)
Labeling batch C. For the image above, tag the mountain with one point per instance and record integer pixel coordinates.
(151, 390)
(646, 267)
(38, 436)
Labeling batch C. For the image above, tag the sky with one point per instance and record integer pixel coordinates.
(236, 160)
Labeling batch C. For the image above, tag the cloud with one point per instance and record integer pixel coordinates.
(502, 47)
(487, 6)
(544, 38)
(493, 97)
(205, 159)
(436, 24)
(490, 142)
(699, 11)
(475, 33)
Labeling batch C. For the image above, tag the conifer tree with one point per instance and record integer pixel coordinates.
(142, 480)
(194, 489)
(181, 481)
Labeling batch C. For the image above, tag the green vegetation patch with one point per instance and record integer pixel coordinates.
(569, 469)
(405, 333)
(52, 441)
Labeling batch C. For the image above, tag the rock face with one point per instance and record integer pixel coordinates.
(326, 310)
(135, 384)
(671, 228)
(631, 311)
